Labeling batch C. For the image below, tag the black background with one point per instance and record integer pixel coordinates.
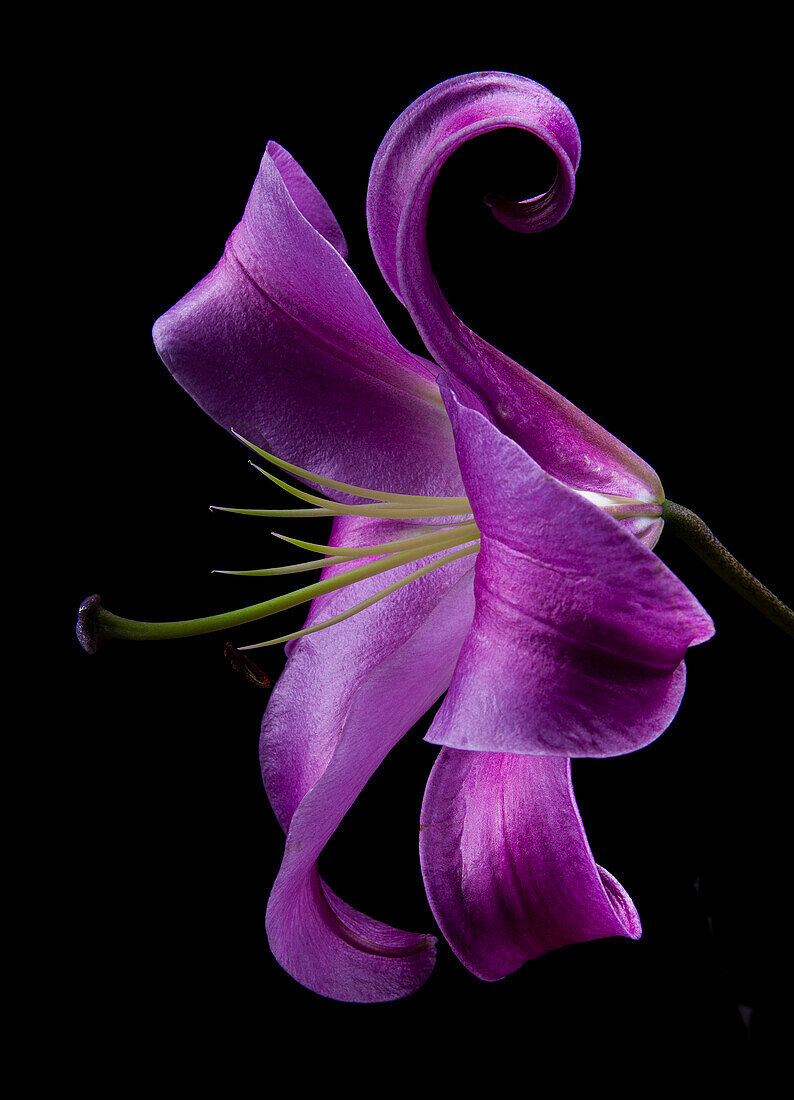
(656, 306)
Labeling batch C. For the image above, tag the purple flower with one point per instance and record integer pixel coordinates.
(551, 624)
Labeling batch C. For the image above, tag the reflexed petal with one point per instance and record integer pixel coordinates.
(579, 635)
(507, 867)
(281, 343)
(347, 695)
(559, 436)
(441, 120)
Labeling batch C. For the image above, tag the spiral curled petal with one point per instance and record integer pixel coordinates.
(561, 438)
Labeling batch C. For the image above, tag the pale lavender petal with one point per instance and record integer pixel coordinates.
(507, 867)
(579, 635)
(559, 436)
(347, 695)
(281, 343)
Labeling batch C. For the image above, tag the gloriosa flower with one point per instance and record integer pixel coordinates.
(517, 534)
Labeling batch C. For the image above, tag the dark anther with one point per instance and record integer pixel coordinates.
(86, 626)
(246, 667)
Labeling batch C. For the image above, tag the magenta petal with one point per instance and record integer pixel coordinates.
(281, 342)
(307, 198)
(437, 123)
(347, 695)
(507, 867)
(579, 635)
(559, 436)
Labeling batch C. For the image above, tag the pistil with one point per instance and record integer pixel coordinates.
(95, 623)
(103, 624)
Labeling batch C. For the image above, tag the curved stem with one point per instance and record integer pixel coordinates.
(691, 529)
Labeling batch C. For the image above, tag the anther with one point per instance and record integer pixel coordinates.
(86, 626)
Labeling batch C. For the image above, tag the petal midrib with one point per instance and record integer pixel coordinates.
(417, 384)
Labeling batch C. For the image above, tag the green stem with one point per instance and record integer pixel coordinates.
(691, 529)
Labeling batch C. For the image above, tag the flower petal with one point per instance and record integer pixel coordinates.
(559, 436)
(281, 343)
(441, 120)
(347, 695)
(580, 631)
(307, 198)
(507, 867)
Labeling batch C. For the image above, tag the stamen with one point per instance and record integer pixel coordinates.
(385, 511)
(280, 512)
(344, 487)
(96, 623)
(420, 546)
(352, 552)
(368, 602)
(403, 501)
(300, 567)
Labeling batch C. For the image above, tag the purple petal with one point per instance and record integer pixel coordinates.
(281, 343)
(559, 436)
(507, 867)
(579, 635)
(307, 198)
(441, 120)
(347, 695)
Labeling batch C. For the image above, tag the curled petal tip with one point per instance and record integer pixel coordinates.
(86, 625)
(532, 215)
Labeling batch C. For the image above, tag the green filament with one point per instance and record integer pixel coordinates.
(105, 624)
(381, 547)
(368, 602)
(343, 487)
(282, 570)
(421, 545)
(331, 508)
(95, 623)
(460, 535)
